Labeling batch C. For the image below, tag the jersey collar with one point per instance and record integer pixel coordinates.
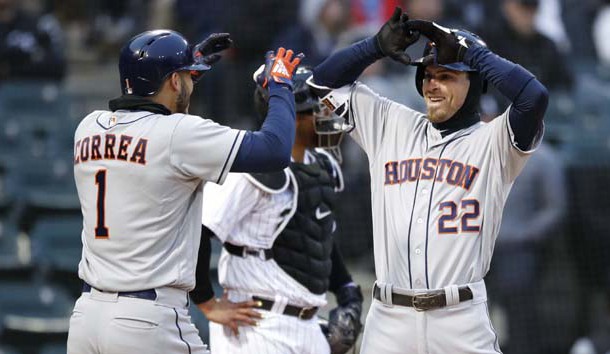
(137, 103)
(436, 137)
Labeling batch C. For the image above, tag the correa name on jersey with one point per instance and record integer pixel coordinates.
(113, 148)
(450, 171)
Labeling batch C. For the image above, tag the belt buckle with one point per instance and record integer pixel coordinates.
(255, 252)
(303, 311)
(424, 302)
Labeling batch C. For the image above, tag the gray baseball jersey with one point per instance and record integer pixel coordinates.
(437, 201)
(133, 172)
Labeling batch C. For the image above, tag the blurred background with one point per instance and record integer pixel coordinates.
(549, 284)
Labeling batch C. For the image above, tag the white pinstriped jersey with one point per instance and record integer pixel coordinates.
(140, 181)
(243, 214)
(436, 202)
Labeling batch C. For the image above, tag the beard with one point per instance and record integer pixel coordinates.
(183, 100)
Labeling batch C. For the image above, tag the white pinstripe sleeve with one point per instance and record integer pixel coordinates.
(225, 206)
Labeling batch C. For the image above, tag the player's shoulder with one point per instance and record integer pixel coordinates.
(91, 119)
(270, 182)
(498, 121)
(189, 122)
(395, 109)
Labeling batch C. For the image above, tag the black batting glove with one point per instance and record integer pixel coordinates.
(207, 51)
(393, 37)
(449, 47)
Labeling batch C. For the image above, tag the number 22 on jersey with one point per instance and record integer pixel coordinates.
(450, 223)
(101, 231)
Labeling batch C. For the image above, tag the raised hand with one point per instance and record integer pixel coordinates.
(450, 45)
(278, 67)
(393, 37)
(207, 50)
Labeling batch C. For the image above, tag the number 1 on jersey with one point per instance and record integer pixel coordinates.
(101, 231)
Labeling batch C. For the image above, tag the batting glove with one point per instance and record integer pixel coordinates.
(278, 67)
(207, 51)
(393, 37)
(449, 45)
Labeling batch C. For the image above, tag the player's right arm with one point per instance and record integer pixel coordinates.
(218, 310)
(223, 207)
(269, 148)
(334, 82)
(343, 67)
(202, 148)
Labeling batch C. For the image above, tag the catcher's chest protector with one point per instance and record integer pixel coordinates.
(303, 248)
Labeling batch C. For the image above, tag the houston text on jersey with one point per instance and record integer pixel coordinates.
(453, 172)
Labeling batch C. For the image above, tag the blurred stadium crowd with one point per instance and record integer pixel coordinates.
(549, 282)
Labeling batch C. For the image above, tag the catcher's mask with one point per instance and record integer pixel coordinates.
(329, 127)
(150, 57)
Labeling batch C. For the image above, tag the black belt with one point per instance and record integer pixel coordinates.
(149, 294)
(303, 313)
(424, 302)
(243, 251)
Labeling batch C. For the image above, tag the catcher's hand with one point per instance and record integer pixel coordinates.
(449, 45)
(231, 314)
(344, 324)
(207, 51)
(393, 37)
(278, 67)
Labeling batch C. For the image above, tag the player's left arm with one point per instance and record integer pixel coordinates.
(528, 96)
(223, 207)
(219, 310)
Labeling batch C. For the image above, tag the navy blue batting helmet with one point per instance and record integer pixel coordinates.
(457, 66)
(148, 58)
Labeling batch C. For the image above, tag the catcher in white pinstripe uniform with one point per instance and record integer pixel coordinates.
(278, 254)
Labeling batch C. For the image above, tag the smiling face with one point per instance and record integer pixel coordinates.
(444, 92)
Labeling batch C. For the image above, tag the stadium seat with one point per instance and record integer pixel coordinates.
(46, 187)
(57, 348)
(8, 350)
(42, 99)
(15, 252)
(33, 314)
(57, 240)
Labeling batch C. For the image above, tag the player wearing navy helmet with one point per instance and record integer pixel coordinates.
(140, 168)
(439, 181)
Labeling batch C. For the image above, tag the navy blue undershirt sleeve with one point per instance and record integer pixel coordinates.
(203, 287)
(269, 148)
(528, 96)
(339, 275)
(345, 66)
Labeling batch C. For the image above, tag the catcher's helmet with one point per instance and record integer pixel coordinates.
(457, 66)
(148, 58)
(329, 127)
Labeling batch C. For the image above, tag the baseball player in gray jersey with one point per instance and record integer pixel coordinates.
(439, 181)
(277, 231)
(139, 170)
